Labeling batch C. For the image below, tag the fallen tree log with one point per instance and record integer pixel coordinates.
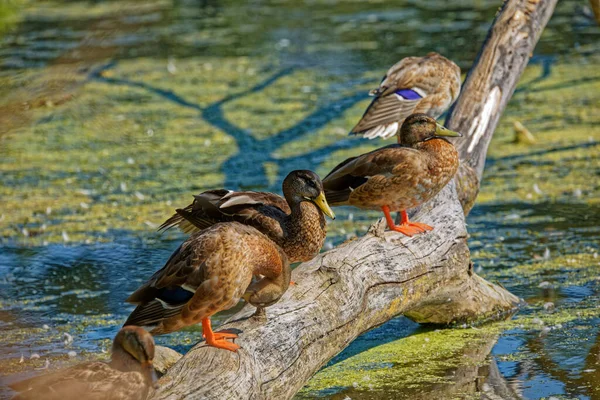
(367, 281)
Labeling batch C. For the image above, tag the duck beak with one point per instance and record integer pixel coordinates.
(150, 374)
(321, 202)
(442, 131)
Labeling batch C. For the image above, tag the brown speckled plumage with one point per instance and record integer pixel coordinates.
(128, 376)
(304, 233)
(434, 78)
(210, 272)
(397, 176)
(296, 223)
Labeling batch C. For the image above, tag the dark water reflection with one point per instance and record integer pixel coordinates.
(80, 288)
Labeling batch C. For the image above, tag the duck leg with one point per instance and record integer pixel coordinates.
(217, 339)
(406, 227)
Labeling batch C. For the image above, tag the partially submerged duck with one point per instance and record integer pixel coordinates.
(295, 222)
(129, 375)
(427, 85)
(399, 176)
(210, 272)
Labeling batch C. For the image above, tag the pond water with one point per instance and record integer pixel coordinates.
(113, 113)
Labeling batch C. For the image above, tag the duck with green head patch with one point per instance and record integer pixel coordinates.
(399, 176)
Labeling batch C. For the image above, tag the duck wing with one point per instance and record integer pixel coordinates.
(385, 114)
(414, 85)
(169, 289)
(197, 215)
(355, 172)
(262, 210)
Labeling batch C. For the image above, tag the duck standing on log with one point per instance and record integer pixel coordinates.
(129, 375)
(414, 85)
(295, 222)
(399, 176)
(210, 272)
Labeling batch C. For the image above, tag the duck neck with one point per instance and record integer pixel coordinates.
(304, 216)
(305, 230)
(441, 152)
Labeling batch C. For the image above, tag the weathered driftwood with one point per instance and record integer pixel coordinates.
(365, 282)
(164, 359)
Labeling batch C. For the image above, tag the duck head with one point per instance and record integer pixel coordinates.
(133, 350)
(305, 185)
(418, 128)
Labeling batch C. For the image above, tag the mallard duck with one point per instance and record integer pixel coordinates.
(129, 375)
(296, 222)
(210, 272)
(427, 85)
(399, 176)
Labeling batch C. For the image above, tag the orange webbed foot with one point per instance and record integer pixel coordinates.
(292, 283)
(218, 339)
(420, 226)
(222, 344)
(406, 227)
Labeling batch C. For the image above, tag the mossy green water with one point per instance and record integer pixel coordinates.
(88, 183)
(98, 149)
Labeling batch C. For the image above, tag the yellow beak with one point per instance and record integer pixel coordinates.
(321, 202)
(442, 131)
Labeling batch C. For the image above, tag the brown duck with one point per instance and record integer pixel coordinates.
(295, 222)
(210, 272)
(129, 375)
(399, 176)
(427, 85)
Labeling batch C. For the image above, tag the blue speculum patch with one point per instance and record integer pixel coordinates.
(175, 295)
(408, 94)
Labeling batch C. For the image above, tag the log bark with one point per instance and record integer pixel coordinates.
(164, 359)
(369, 280)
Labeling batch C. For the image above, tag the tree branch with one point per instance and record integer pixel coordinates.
(490, 85)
